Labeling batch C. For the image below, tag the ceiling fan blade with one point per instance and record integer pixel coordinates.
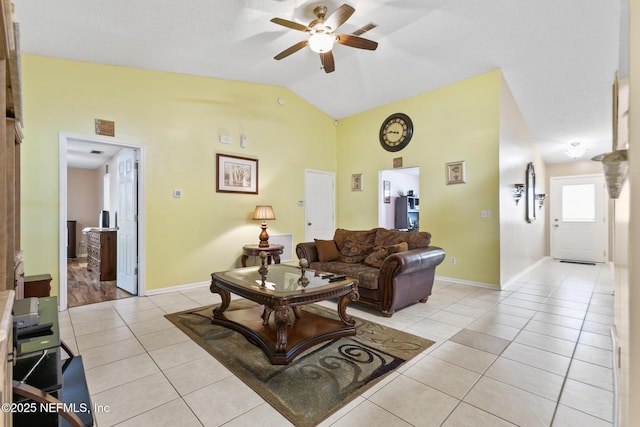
(328, 63)
(339, 16)
(296, 47)
(290, 24)
(355, 41)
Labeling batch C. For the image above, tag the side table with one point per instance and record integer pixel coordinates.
(37, 286)
(273, 251)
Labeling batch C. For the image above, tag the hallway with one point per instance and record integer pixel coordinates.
(84, 286)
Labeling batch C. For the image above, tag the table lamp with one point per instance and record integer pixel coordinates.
(263, 213)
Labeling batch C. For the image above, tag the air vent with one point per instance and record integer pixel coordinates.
(96, 152)
(370, 26)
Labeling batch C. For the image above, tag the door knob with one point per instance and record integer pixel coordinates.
(309, 224)
(556, 225)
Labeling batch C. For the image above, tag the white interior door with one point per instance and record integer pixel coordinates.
(320, 198)
(578, 209)
(128, 222)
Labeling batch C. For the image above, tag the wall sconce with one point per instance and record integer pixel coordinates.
(541, 198)
(518, 191)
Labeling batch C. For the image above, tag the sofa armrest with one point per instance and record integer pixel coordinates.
(308, 251)
(411, 261)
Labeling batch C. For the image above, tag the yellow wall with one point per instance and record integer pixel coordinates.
(457, 122)
(177, 118)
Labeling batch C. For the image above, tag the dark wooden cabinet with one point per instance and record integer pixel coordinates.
(101, 253)
(37, 286)
(407, 213)
(71, 239)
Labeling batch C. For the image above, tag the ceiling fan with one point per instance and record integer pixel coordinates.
(322, 37)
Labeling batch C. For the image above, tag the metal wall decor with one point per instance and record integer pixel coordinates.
(531, 193)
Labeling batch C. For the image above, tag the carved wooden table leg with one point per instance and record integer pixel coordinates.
(342, 305)
(265, 314)
(224, 295)
(282, 320)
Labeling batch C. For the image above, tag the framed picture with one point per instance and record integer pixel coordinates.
(456, 173)
(397, 162)
(236, 174)
(386, 191)
(356, 182)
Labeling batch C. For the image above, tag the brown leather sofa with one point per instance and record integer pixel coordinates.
(393, 268)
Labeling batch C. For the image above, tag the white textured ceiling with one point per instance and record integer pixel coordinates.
(558, 56)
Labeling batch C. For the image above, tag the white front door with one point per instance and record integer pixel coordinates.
(578, 207)
(320, 205)
(128, 222)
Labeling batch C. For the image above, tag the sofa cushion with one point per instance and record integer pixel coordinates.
(363, 236)
(367, 276)
(380, 253)
(327, 250)
(354, 252)
(415, 239)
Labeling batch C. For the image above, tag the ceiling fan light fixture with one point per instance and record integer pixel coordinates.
(321, 42)
(576, 150)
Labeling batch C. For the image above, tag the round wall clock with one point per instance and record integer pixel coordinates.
(396, 132)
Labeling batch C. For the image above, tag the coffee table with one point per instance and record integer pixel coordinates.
(289, 331)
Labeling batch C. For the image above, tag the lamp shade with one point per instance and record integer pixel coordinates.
(264, 212)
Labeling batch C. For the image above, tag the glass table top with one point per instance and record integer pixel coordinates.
(281, 279)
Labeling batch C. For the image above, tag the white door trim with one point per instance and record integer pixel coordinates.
(62, 250)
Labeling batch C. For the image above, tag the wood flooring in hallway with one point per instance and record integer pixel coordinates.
(84, 286)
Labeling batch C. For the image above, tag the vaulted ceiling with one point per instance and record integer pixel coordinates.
(558, 56)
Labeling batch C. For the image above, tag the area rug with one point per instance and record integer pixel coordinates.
(320, 380)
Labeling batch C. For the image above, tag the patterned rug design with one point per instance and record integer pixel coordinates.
(319, 381)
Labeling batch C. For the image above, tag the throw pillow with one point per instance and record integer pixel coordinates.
(354, 252)
(327, 250)
(363, 236)
(380, 253)
(415, 239)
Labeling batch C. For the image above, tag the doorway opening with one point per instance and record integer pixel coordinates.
(95, 205)
(399, 199)
(578, 207)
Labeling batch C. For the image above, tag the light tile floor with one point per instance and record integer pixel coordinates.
(536, 354)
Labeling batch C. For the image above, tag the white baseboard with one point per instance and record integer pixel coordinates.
(515, 278)
(491, 285)
(184, 287)
(466, 282)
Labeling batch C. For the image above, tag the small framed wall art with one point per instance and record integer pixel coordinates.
(236, 174)
(456, 173)
(356, 182)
